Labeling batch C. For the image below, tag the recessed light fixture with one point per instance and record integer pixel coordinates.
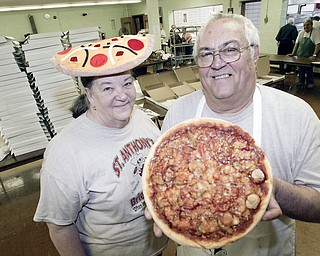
(62, 5)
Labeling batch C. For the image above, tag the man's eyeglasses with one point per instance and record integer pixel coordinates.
(205, 58)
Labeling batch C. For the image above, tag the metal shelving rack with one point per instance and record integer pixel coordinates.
(178, 48)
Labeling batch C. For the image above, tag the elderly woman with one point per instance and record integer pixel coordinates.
(91, 196)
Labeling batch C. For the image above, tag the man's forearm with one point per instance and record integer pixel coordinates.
(294, 49)
(316, 50)
(66, 239)
(297, 201)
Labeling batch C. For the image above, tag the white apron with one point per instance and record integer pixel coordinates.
(253, 244)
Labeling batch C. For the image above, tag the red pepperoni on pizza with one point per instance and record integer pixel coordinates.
(105, 57)
(206, 183)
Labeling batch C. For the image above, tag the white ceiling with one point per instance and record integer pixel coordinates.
(4, 3)
(16, 3)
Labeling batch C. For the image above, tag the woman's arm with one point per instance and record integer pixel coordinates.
(66, 239)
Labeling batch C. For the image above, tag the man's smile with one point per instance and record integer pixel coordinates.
(221, 76)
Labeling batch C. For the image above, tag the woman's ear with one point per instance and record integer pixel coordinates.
(88, 93)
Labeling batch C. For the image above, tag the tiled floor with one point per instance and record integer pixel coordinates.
(19, 192)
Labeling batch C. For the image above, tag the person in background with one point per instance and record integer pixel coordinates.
(163, 37)
(163, 34)
(307, 45)
(123, 31)
(316, 22)
(283, 125)
(187, 38)
(286, 38)
(174, 44)
(91, 194)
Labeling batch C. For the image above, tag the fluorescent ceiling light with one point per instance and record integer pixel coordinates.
(62, 5)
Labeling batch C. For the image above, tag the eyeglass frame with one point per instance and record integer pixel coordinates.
(217, 52)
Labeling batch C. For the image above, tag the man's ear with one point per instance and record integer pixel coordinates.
(256, 53)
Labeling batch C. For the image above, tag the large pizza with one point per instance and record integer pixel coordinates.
(206, 183)
(105, 57)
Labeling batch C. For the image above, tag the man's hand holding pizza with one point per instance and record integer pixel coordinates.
(274, 210)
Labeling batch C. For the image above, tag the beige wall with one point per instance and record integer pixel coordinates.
(16, 24)
(269, 29)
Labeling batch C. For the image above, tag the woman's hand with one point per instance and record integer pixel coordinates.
(157, 231)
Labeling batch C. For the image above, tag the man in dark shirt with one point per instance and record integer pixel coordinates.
(286, 39)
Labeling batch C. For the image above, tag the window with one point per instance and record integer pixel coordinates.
(252, 11)
(301, 12)
(195, 16)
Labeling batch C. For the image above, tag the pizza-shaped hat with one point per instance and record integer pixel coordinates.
(105, 57)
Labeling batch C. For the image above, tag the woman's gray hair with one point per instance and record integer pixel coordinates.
(251, 32)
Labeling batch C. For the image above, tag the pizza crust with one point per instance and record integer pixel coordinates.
(105, 57)
(187, 240)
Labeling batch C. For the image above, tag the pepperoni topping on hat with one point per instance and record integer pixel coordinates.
(64, 51)
(98, 60)
(135, 44)
(119, 53)
(74, 59)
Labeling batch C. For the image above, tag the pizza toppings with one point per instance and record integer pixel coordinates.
(252, 201)
(98, 60)
(257, 175)
(207, 182)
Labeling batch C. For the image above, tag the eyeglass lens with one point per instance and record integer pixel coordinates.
(228, 55)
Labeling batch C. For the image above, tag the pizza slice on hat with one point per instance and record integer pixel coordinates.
(105, 57)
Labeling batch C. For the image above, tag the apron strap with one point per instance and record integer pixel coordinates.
(257, 114)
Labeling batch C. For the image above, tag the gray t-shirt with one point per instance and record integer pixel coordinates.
(91, 176)
(291, 140)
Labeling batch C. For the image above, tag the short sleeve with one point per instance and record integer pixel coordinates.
(58, 203)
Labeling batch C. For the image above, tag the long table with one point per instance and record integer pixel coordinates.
(292, 61)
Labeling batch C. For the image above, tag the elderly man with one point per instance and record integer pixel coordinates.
(285, 127)
(307, 45)
(286, 38)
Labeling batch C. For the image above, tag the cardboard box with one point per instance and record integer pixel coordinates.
(161, 93)
(196, 85)
(179, 88)
(148, 80)
(263, 73)
(148, 103)
(163, 86)
(152, 86)
(263, 66)
(186, 74)
(169, 77)
(183, 89)
(291, 79)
